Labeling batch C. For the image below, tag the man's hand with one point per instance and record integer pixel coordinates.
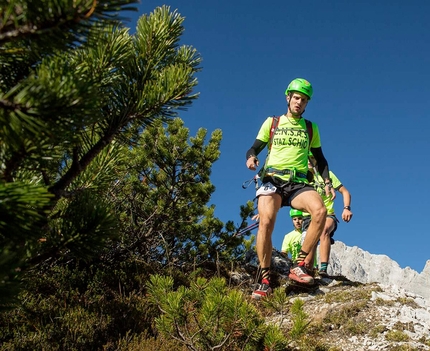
(346, 215)
(256, 217)
(252, 163)
(309, 266)
(329, 191)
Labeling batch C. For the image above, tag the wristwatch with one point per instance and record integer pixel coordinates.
(347, 208)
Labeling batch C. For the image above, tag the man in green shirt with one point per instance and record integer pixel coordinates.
(285, 181)
(292, 242)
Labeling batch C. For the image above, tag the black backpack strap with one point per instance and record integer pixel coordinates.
(310, 131)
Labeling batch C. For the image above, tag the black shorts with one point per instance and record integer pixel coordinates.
(307, 221)
(287, 190)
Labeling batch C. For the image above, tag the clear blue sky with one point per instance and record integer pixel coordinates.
(369, 64)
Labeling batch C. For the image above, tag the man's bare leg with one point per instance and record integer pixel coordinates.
(325, 243)
(311, 202)
(310, 259)
(268, 207)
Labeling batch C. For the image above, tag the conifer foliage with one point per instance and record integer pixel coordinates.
(163, 194)
(76, 89)
(101, 184)
(207, 316)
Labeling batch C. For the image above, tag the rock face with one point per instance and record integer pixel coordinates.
(354, 322)
(359, 266)
(360, 308)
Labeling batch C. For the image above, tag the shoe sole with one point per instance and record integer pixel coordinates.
(298, 280)
(257, 296)
(293, 287)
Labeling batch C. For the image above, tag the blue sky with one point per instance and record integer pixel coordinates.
(369, 64)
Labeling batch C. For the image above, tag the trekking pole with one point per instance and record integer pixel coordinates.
(248, 228)
(247, 183)
(256, 178)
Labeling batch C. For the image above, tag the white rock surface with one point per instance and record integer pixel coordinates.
(361, 266)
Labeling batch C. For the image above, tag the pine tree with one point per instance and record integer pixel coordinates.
(162, 192)
(76, 89)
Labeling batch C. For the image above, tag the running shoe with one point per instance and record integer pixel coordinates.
(299, 274)
(323, 273)
(263, 290)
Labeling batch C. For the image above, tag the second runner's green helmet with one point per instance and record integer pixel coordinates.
(300, 85)
(295, 213)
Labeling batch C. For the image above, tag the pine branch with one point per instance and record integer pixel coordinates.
(78, 166)
(30, 20)
(12, 164)
(10, 106)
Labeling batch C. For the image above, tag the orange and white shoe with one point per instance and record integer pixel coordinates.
(300, 275)
(263, 290)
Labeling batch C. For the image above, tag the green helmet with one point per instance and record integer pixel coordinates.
(300, 85)
(295, 213)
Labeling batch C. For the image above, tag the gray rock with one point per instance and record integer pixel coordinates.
(358, 265)
(280, 263)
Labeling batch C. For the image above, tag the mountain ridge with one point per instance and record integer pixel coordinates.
(358, 307)
(359, 265)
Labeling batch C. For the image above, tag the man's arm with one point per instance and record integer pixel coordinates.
(252, 153)
(286, 247)
(322, 163)
(323, 170)
(255, 148)
(347, 213)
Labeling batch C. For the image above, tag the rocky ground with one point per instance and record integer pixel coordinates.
(366, 317)
(347, 315)
(361, 266)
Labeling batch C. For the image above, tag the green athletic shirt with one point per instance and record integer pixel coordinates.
(290, 146)
(292, 243)
(318, 184)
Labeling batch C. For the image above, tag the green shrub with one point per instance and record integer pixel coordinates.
(378, 329)
(424, 340)
(347, 295)
(345, 313)
(396, 335)
(144, 342)
(382, 302)
(71, 329)
(356, 328)
(403, 347)
(76, 309)
(207, 315)
(278, 303)
(299, 319)
(407, 301)
(311, 343)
